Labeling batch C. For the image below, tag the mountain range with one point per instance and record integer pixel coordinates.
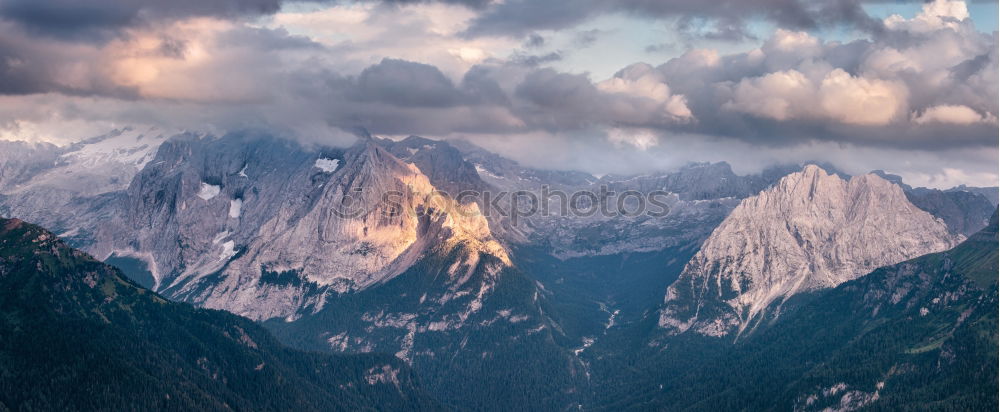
(551, 312)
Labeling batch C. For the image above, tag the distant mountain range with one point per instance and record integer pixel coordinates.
(548, 313)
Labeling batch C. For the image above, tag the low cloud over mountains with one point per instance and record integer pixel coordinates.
(902, 85)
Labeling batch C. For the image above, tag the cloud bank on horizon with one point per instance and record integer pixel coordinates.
(813, 80)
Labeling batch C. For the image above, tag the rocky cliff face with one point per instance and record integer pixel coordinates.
(263, 228)
(349, 250)
(441, 162)
(810, 231)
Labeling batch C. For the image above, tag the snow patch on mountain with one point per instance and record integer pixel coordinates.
(327, 165)
(228, 250)
(485, 173)
(208, 191)
(220, 237)
(235, 207)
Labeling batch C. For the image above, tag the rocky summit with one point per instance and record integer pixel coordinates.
(268, 231)
(812, 230)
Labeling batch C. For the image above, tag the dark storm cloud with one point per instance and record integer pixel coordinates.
(30, 65)
(399, 97)
(480, 85)
(101, 18)
(636, 97)
(405, 83)
(20, 72)
(559, 100)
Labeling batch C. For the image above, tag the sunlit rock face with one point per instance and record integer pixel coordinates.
(264, 228)
(812, 230)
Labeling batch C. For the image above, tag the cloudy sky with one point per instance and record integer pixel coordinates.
(604, 86)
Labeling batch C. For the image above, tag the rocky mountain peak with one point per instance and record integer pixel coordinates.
(441, 162)
(269, 229)
(811, 230)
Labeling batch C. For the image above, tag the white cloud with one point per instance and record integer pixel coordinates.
(641, 139)
(859, 100)
(949, 177)
(788, 41)
(641, 80)
(953, 114)
(934, 15)
(780, 95)
(788, 48)
(362, 34)
(838, 96)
